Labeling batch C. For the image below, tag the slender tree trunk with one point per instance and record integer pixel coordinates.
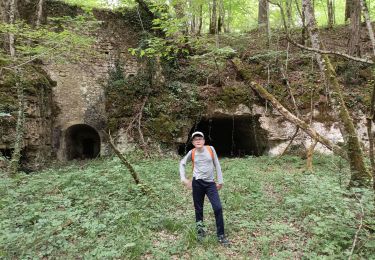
(263, 19)
(370, 119)
(360, 176)
(331, 14)
(355, 29)
(213, 23)
(200, 20)
(348, 9)
(4, 18)
(229, 17)
(371, 115)
(263, 9)
(39, 13)
(309, 155)
(131, 169)
(368, 24)
(12, 12)
(221, 20)
(193, 18)
(289, 12)
(303, 19)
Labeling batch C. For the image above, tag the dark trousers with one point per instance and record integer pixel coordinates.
(200, 189)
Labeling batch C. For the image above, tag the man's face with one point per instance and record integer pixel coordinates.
(198, 141)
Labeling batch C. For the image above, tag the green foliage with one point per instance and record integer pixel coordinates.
(63, 38)
(272, 209)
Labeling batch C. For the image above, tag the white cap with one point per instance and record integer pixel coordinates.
(197, 133)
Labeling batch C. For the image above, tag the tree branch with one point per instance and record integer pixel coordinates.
(347, 56)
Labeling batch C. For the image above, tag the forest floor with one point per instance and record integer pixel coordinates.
(273, 209)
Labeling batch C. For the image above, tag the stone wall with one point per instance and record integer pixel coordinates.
(79, 92)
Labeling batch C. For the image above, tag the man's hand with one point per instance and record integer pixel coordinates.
(219, 186)
(187, 183)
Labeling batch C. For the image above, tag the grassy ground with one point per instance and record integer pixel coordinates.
(272, 208)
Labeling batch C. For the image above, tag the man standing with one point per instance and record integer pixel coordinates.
(205, 161)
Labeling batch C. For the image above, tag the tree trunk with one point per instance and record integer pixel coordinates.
(263, 9)
(221, 20)
(368, 24)
(312, 29)
(348, 9)
(355, 29)
(193, 19)
(213, 23)
(131, 169)
(303, 19)
(229, 17)
(263, 19)
(360, 175)
(39, 13)
(331, 14)
(309, 156)
(12, 12)
(370, 119)
(289, 12)
(200, 20)
(4, 18)
(371, 114)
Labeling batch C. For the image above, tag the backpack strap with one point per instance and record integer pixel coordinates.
(209, 149)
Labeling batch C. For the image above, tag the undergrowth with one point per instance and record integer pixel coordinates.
(273, 209)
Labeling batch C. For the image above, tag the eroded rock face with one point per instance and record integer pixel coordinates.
(276, 132)
(39, 115)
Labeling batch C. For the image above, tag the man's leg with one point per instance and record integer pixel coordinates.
(214, 198)
(198, 198)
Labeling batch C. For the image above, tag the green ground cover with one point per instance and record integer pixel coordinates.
(272, 208)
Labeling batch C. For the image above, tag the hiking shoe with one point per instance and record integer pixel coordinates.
(201, 233)
(223, 241)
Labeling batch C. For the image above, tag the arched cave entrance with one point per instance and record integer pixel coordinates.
(232, 136)
(82, 142)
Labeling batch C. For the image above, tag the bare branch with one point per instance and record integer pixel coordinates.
(347, 56)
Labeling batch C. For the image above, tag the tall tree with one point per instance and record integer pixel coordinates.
(263, 19)
(39, 13)
(263, 10)
(360, 176)
(12, 13)
(221, 18)
(289, 12)
(331, 13)
(355, 27)
(348, 9)
(213, 18)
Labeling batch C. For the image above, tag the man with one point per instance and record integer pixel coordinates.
(204, 159)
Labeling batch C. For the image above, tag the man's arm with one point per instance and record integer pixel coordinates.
(183, 163)
(219, 173)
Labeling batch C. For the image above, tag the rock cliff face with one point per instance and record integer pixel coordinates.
(39, 116)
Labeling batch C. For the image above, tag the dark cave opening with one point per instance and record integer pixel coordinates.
(6, 153)
(235, 136)
(82, 142)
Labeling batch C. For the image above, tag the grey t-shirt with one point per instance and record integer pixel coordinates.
(203, 165)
